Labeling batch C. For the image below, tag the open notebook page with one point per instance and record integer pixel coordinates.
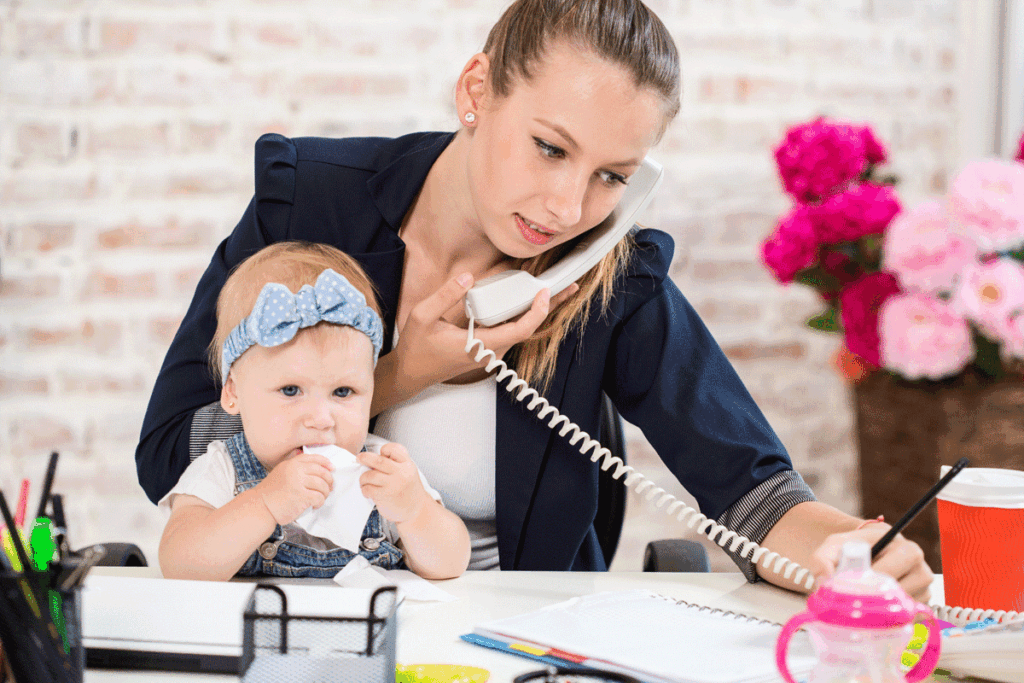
(657, 638)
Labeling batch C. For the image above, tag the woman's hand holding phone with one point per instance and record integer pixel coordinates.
(430, 349)
(295, 484)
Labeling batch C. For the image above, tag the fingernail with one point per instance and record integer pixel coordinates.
(465, 279)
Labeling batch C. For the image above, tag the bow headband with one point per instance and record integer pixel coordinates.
(279, 314)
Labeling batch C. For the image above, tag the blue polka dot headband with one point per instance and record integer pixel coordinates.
(279, 314)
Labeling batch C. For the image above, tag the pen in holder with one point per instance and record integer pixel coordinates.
(279, 647)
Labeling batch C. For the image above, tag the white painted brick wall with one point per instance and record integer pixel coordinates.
(126, 133)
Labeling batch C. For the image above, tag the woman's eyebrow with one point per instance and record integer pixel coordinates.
(628, 163)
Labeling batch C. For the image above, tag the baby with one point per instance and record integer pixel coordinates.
(296, 346)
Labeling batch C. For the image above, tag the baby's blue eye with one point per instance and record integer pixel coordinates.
(290, 390)
(342, 392)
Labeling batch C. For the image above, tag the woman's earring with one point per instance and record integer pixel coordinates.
(470, 117)
(231, 404)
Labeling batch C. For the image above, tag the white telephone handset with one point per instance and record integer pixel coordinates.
(497, 298)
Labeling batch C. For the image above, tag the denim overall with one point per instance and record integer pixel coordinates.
(290, 550)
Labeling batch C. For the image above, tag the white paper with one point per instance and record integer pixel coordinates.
(359, 573)
(342, 517)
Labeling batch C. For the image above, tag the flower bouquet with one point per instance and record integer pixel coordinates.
(926, 293)
(929, 302)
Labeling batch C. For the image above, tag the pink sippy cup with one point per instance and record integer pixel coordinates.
(859, 622)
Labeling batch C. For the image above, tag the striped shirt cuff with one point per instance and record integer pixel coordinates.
(211, 423)
(754, 514)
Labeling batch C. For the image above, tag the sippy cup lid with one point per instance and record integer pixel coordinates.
(858, 596)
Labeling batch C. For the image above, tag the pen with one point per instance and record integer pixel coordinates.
(19, 516)
(51, 468)
(15, 536)
(918, 506)
(60, 530)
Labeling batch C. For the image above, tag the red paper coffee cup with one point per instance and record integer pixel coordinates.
(981, 530)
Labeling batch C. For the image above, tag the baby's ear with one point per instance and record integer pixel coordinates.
(228, 398)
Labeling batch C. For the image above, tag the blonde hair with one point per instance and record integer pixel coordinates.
(292, 264)
(625, 33)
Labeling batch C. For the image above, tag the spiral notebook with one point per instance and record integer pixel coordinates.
(650, 637)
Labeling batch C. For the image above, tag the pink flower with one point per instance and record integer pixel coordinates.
(858, 309)
(819, 157)
(987, 201)
(989, 293)
(922, 249)
(923, 337)
(792, 247)
(1012, 336)
(874, 151)
(865, 209)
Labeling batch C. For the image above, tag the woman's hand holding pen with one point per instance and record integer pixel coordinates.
(295, 484)
(901, 558)
(431, 349)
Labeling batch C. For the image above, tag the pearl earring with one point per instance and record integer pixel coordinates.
(470, 117)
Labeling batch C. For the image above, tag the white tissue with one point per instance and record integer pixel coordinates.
(342, 517)
(359, 573)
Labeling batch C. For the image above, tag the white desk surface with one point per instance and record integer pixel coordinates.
(428, 632)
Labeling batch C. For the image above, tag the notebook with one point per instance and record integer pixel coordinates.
(994, 652)
(193, 626)
(651, 637)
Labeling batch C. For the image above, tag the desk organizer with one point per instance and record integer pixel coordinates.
(44, 649)
(278, 647)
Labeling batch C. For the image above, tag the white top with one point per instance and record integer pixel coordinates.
(211, 478)
(448, 430)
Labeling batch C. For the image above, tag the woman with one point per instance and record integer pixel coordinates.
(556, 113)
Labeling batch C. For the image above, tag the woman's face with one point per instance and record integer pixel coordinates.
(551, 160)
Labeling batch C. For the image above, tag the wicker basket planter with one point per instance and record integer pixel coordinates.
(907, 430)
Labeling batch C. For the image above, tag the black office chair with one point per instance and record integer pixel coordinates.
(667, 555)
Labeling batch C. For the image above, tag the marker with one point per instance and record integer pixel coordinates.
(918, 506)
(19, 516)
(44, 497)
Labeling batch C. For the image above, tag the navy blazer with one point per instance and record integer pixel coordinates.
(649, 352)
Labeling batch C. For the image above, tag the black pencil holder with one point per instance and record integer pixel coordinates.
(279, 647)
(44, 649)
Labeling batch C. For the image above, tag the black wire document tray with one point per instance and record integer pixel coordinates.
(278, 647)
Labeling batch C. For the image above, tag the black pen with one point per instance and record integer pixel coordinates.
(60, 531)
(918, 506)
(51, 468)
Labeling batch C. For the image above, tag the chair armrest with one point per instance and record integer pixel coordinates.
(676, 555)
(120, 555)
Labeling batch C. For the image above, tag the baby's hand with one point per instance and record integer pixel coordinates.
(393, 483)
(297, 483)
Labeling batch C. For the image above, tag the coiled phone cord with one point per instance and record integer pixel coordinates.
(639, 483)
(635, 480)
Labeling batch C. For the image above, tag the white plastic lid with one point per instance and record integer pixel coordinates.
(854, 575)
(987, 487)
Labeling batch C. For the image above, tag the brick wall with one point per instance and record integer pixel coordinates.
(126, 133)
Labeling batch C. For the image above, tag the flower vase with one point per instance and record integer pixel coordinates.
(908, 430)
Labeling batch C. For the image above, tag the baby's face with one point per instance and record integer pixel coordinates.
(314, 390)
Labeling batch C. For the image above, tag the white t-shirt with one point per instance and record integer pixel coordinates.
(211, 478)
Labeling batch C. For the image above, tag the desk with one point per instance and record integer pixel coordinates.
(429, 632)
